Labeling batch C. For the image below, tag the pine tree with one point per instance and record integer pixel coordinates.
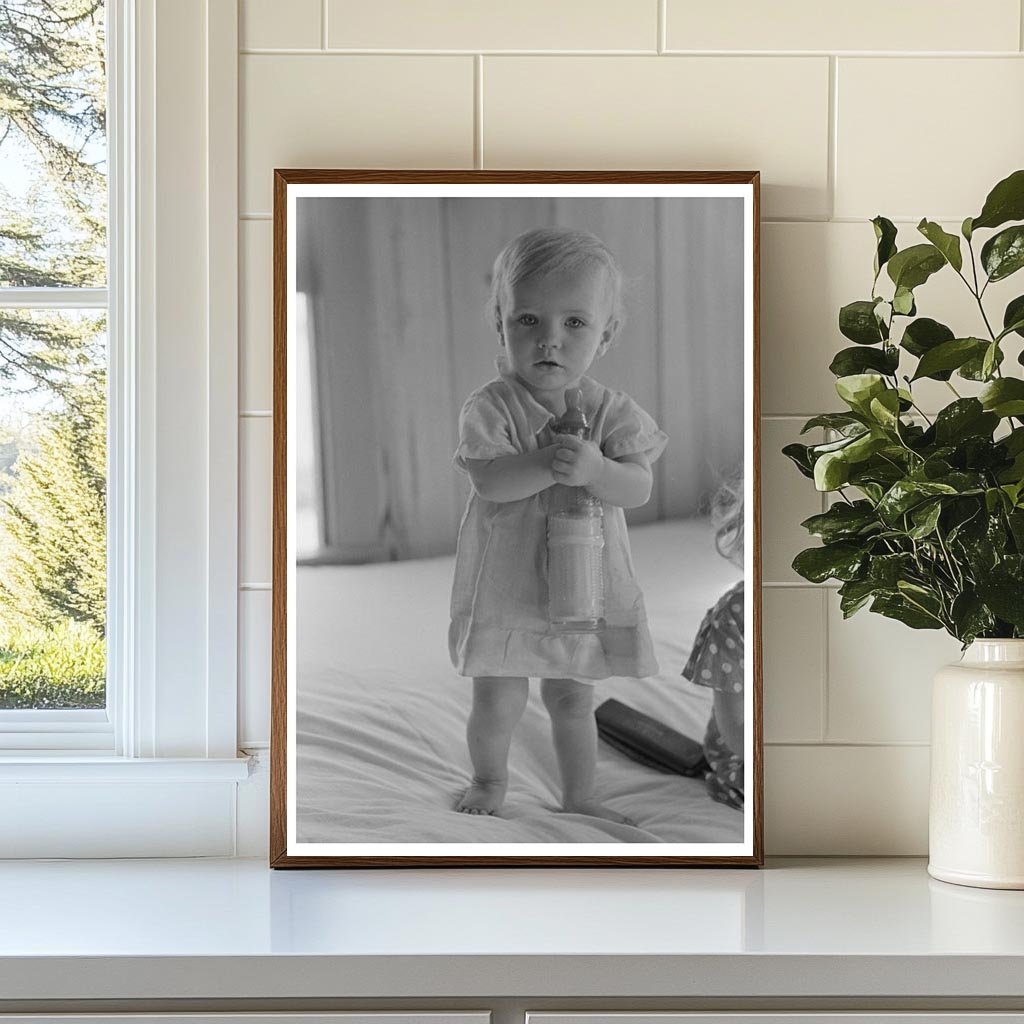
(53, 520)
(53, 123)
(53, 117)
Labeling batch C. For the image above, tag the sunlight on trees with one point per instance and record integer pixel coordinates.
(53, 213)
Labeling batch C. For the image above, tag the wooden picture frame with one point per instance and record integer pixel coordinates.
(378, 276)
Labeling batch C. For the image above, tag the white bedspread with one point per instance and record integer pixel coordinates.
(381, 751)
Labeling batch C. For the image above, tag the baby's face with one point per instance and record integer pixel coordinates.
(554, 326)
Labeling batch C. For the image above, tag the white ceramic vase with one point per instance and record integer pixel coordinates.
(976, 813)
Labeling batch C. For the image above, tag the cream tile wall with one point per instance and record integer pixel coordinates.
(909, 110)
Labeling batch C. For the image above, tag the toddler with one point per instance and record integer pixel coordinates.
(556, 302)
(717, 657)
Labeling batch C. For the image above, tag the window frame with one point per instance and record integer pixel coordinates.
(54, 731)
(172, 459)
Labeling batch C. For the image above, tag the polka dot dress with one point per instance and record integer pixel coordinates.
(717, 662)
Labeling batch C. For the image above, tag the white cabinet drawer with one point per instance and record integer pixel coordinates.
(932, 1017)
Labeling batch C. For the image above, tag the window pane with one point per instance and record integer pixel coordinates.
(52, 509)
(53, 150)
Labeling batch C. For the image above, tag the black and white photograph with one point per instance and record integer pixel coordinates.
(516, 573)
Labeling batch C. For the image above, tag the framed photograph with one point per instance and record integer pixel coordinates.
(516, 554)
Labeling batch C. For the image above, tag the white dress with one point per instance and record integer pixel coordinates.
(499, 609)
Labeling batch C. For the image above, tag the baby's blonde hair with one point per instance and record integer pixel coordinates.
(543, 251)
(727, 518)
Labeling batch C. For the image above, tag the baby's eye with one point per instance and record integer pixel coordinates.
(575, 321)
(526, 319)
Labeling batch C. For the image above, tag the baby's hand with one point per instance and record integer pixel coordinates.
(576, 463)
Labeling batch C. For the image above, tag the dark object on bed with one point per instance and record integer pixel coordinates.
(648, 741)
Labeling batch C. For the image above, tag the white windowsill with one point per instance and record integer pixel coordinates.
(79, 767)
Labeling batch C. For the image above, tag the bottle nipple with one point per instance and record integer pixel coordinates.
(574, 421)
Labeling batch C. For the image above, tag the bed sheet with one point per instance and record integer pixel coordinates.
(381, 751)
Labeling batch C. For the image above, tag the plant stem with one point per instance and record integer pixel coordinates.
(953, 567)
(974, 269)
(924, 415)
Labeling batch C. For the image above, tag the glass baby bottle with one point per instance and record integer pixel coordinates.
(575, 542)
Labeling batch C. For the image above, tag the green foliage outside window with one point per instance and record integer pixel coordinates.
(52, 365)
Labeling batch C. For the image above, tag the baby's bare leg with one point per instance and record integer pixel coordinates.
(498, 704)
(574, 730)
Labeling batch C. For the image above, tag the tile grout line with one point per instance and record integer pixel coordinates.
(478, 111)
(824, 724)
(768, 55)
(662, 42)
(1020, 25)
(899, 221)
(323, 24)
(798, 585)
(831, 170)
(851, 744)
(826, 651)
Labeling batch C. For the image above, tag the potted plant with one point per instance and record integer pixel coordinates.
(927, 521)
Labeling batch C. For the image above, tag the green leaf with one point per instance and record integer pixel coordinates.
(966, 417)
(885, 409)
(974, 368)
(858, 389)
(843, 521)
(1004, 397)
(1013, 318)
(857, 321)
(864, 446)
(925, 598)
(923, 335)
(831, 471)
(872, 491)
(849, 361)
(817, 450)
(906, 494)
(949, 355)
(947, 244)
(1015, 518)
(885, 236)
(903, 302)
(1004, 596)
(1013, 474)
(840, 561)
(964, 482)
(1005, 202)
(881, 471)
(841, 421)
(970, 617)
(799, 454)
(925, 518)
(965, 228)
(994, 499)
(934, 467)
(887, 570)
(1003, 254)
(1015, 492)
(897, 607)
(990, 360)
(854, 594)
(1014, 441)
(912, 267)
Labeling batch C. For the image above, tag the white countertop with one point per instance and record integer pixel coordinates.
(234, 929)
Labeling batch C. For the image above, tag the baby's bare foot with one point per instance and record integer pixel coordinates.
(482, 797)
(596, 809)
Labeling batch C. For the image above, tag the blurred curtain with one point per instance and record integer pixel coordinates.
(400, 336)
